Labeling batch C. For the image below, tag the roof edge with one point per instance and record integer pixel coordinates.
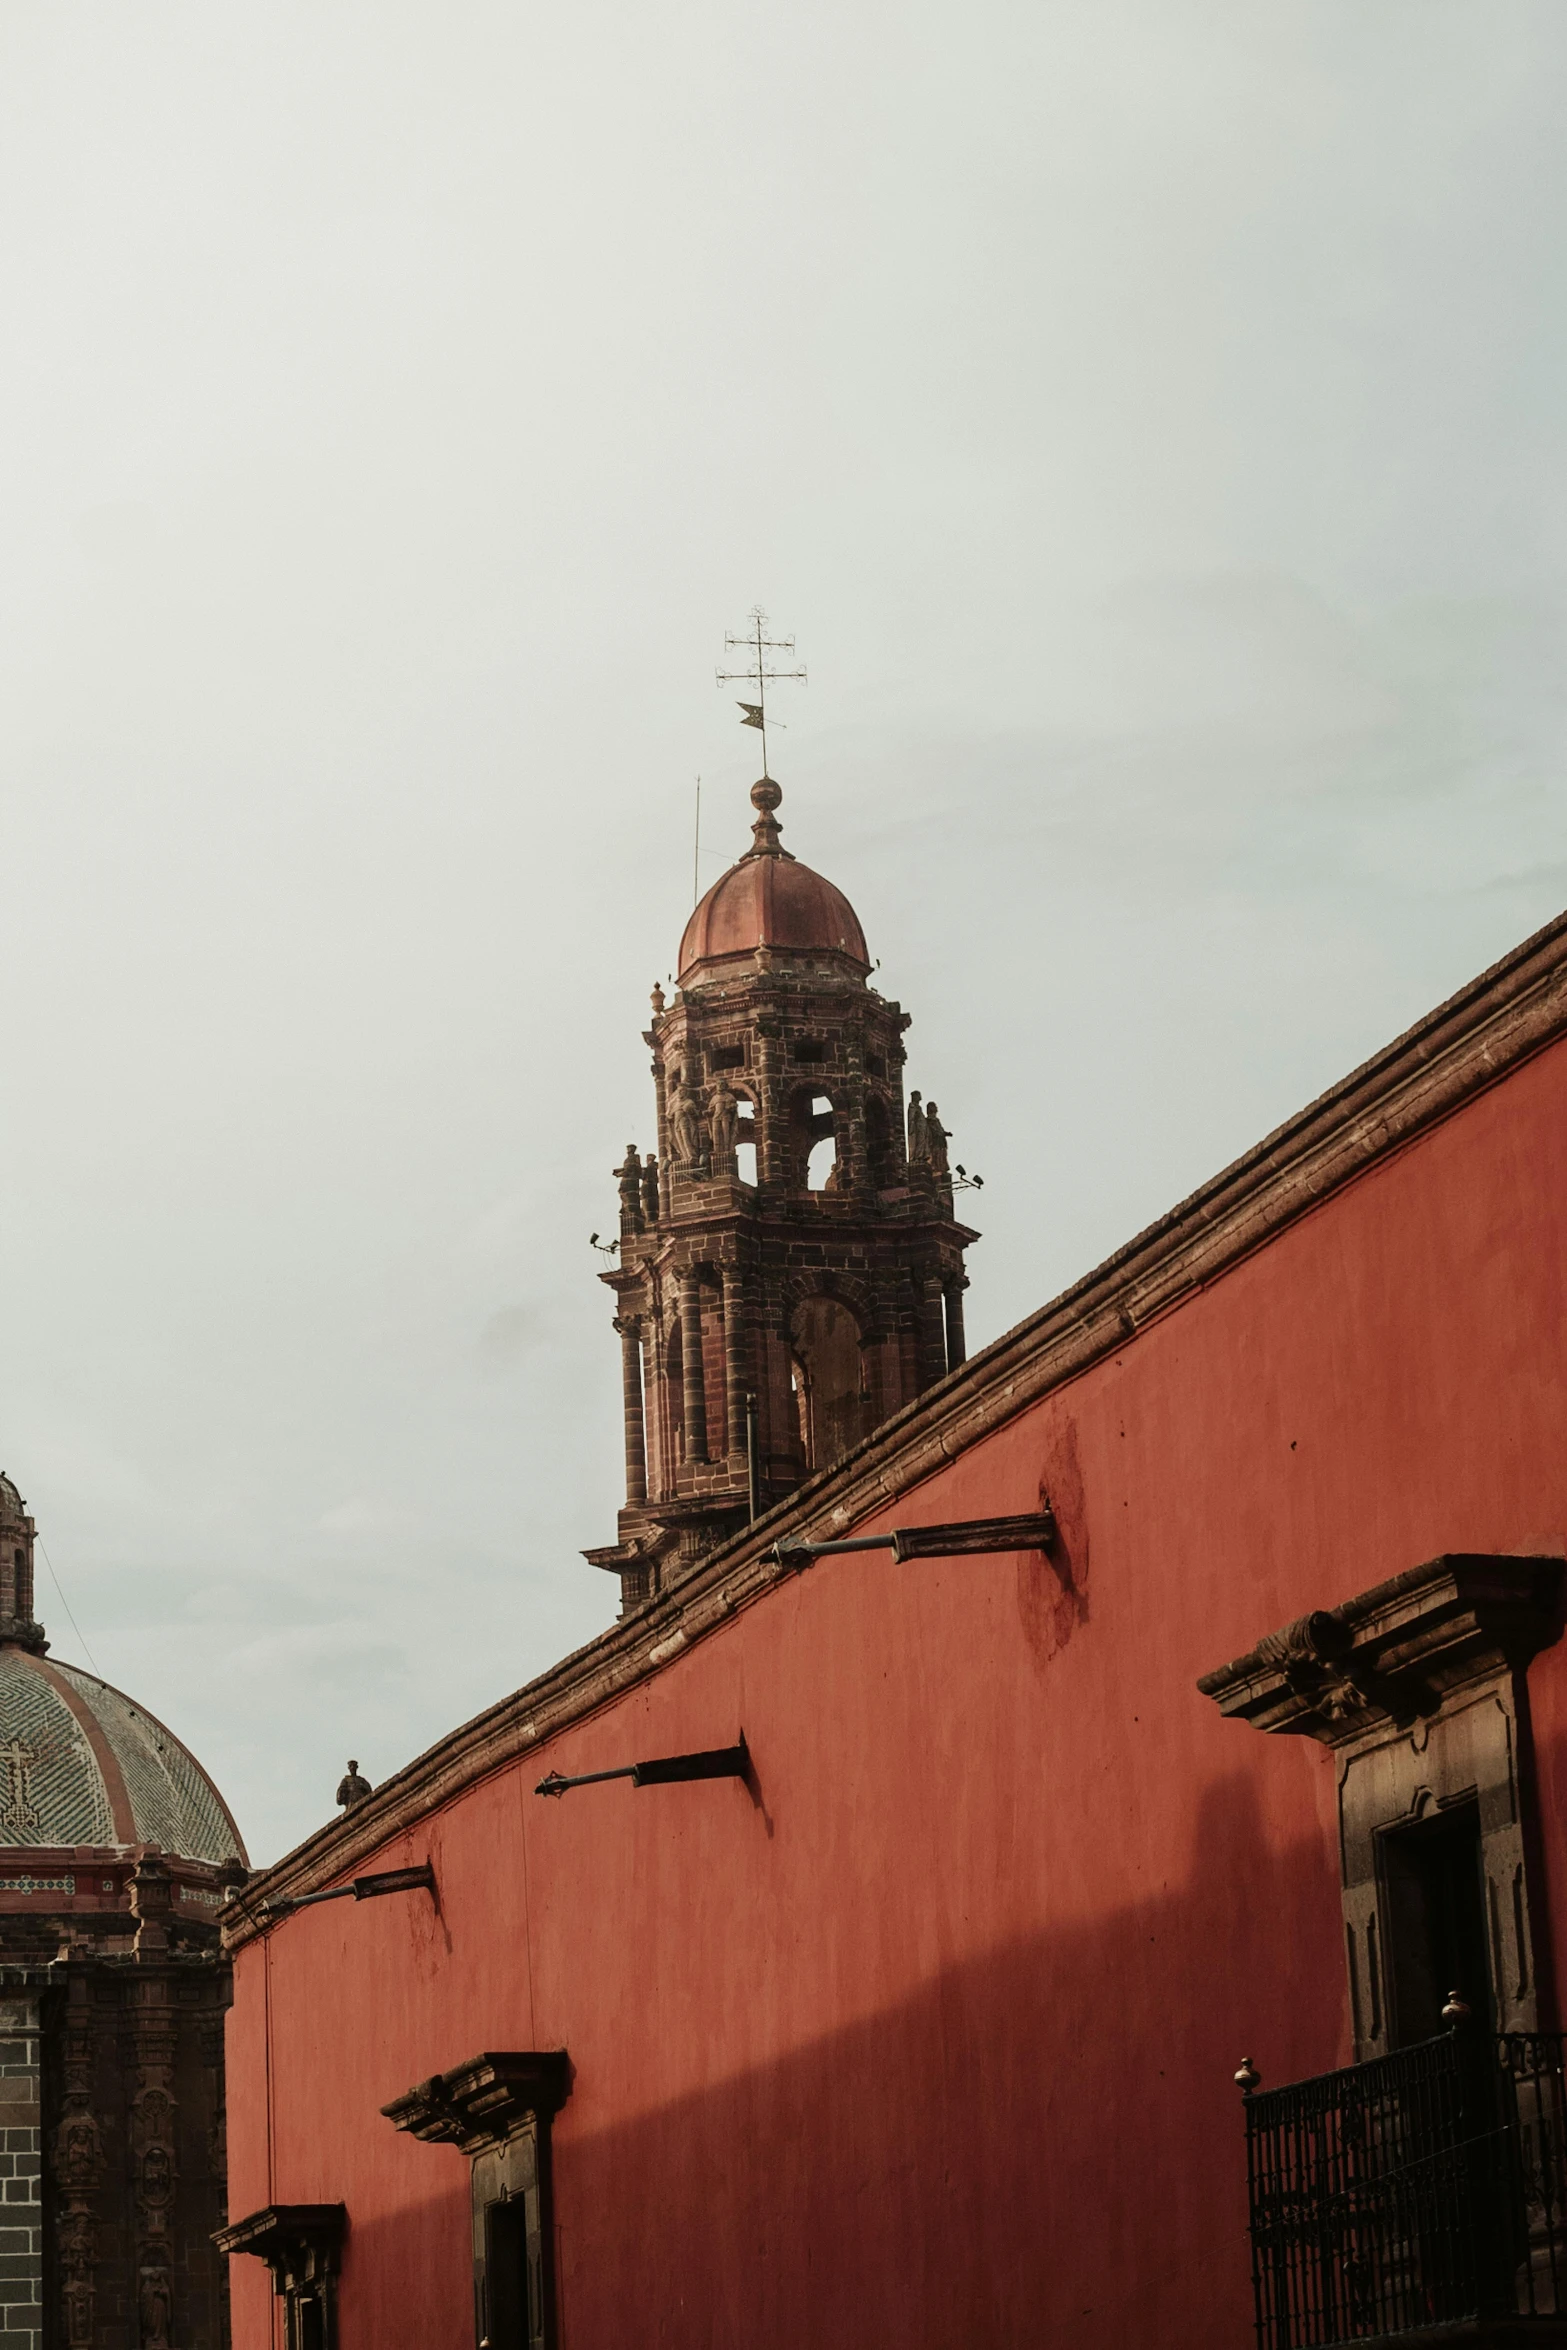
(1495, 1022)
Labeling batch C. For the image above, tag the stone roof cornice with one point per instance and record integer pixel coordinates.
(1488, 1028)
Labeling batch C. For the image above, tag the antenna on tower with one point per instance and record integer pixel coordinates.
(758, 643)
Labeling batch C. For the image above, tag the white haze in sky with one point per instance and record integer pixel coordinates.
(1147, 415)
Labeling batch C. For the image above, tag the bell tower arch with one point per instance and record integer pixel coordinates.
(791, 1235)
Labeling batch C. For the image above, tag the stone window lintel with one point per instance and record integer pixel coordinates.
(301, 2243)
(482, 2102)
(1388, 1658)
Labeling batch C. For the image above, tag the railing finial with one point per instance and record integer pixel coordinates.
(1457, 2010)
(1248, 2077)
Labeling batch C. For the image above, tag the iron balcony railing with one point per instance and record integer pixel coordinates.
(1421, 2189)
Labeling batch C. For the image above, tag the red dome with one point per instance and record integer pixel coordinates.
(771, 900)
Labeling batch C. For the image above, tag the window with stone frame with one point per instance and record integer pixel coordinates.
(301, 2244)
(509, 2266)
(1419, 1688)
(497, 2109)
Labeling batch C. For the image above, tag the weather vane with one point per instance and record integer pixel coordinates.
(759, 644)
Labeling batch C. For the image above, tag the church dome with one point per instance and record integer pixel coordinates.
(81, 1764)
(12, 1506)
(769, 899)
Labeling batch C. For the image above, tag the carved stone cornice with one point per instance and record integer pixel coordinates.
(1512, 1011)
(300, 2242)
(1389, 1657)
(479, 2103)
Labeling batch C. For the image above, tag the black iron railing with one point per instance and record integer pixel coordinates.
(1420, 2189)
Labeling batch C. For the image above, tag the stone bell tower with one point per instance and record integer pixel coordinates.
(790, 1248)
(17, 1535)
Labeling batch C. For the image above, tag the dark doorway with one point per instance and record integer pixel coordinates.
(1436, 1921)
(506, 2276)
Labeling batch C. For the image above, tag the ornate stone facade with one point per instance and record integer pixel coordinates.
(788, 1255)
(115, 1852)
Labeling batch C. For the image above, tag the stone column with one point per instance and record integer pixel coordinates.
(766, 1101)
(665, 1169)
(957, 1350)
(655, 1404)
(848, 1101)
(735, 1367)
(631, 1405)
(21, 2235)
(932, 1336)
(693, 1384)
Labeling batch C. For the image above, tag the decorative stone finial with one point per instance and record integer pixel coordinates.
(766, 832)
(1457, 2010)
(657, 998)
(152, 1903)
(1247, 2077)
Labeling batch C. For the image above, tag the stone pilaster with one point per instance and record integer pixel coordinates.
(957, 1345)
(692, 1379)
(154, 2039)
(736, 1377)
(666, 1194)
(932, 1329)
(631, 1405)
(78, 2165)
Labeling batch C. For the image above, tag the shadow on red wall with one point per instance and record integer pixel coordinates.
(1043, 2145)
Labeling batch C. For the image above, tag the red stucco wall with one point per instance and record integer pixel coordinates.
(932, 2044)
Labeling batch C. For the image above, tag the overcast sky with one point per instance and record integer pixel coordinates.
(1145, 413)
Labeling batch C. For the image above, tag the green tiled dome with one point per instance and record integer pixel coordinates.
(81, 1764)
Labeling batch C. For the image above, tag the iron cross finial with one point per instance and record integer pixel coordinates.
(759, 644)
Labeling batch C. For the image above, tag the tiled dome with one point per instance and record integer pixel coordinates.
(80, 1764)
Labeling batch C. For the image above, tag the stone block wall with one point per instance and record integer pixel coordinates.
(21, 2209)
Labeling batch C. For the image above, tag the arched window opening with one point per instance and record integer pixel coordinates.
(810, 1123)
(746, 1160)
(835, 1388)
(821, 1168)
